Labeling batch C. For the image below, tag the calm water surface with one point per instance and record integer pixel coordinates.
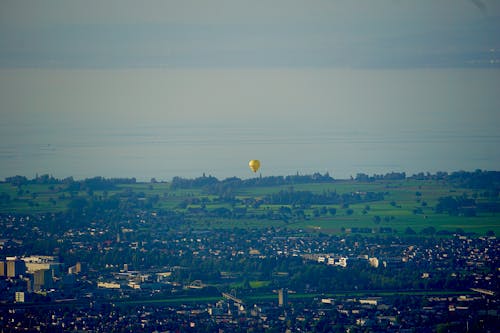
(166, 123)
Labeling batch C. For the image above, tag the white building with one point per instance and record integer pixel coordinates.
(369, 301)
(340, 261)
(108, 285)
(373, 262)
(36, 263)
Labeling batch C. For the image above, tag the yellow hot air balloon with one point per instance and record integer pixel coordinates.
(254, 165)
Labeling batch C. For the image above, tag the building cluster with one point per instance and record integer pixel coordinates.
(39, 272)
(100, 294)
(333, 261)
(473, 312)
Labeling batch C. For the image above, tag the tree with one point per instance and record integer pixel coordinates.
(428, 231)
(447, 204)
(78, 204)
(17, 180)
(409, 231)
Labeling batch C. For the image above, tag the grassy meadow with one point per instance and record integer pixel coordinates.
(407, 203)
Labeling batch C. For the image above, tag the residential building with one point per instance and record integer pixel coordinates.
(15, 267)
(282, 297)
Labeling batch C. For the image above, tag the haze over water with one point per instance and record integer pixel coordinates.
(122, 88)
(148, 123)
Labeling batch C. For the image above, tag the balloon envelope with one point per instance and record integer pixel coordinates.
(254, 165)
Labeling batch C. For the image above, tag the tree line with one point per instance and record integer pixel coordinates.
(93, 183)
(475, 179)
(214, 185)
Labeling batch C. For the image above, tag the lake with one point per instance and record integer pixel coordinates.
(162, 123)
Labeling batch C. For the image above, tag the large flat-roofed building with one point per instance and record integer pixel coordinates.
(36, 263)
(43, 279)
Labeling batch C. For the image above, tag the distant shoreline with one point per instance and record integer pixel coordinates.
(48, 178)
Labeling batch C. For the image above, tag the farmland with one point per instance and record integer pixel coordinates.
(403, 206)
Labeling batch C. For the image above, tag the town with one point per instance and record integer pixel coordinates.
(337, 282)
(102, 267)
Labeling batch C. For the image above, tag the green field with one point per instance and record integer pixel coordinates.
(406, 204)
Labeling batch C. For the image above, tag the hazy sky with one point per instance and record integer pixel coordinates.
(249, 33)
(167, 88)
